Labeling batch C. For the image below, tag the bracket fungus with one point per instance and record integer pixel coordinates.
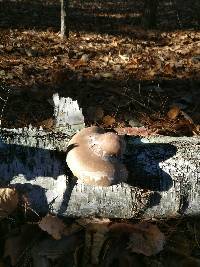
(94, 157)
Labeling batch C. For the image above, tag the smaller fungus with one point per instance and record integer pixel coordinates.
(94, 157)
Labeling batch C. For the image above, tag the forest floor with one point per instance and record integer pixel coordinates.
(121, 74)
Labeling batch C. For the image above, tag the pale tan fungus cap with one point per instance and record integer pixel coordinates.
(94, 157)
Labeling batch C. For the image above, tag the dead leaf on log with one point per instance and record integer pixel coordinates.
(53, 226)
(8, 201)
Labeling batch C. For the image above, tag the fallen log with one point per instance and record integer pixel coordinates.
(164, 176)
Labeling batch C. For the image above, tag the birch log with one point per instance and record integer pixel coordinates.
(164, 176)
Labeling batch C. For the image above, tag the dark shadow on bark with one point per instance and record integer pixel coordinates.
(36, 195)
(67, 194)
(30, 162)
(143, 163)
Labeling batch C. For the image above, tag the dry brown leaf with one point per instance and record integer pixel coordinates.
(133, 64)
(96, 235)
(8, 201)
(108, 120)
(93, 224)
(86, 221)
(71, 229)
(158, 63)
(124, 57)
(84, 58)
(79, 63)
(168, 68)
(131, 67)
(16, 245)
(135, 131)
(173, 112)
(13, 249)
(53, 226)
(146, 239)
(106, 75)
(121, 228)
(152, 72)
(196, 130)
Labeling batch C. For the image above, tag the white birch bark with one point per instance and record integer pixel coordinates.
(164, 176)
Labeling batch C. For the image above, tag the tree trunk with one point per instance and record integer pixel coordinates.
(65, 18)
(164, 176)
(150, 13)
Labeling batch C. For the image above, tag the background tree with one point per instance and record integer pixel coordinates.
(150, 13)
(64, 18)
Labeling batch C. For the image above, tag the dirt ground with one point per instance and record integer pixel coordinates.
(121, 74)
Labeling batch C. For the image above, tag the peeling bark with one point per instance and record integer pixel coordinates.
(164, 176)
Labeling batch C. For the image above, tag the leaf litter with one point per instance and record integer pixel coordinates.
(119, 62)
